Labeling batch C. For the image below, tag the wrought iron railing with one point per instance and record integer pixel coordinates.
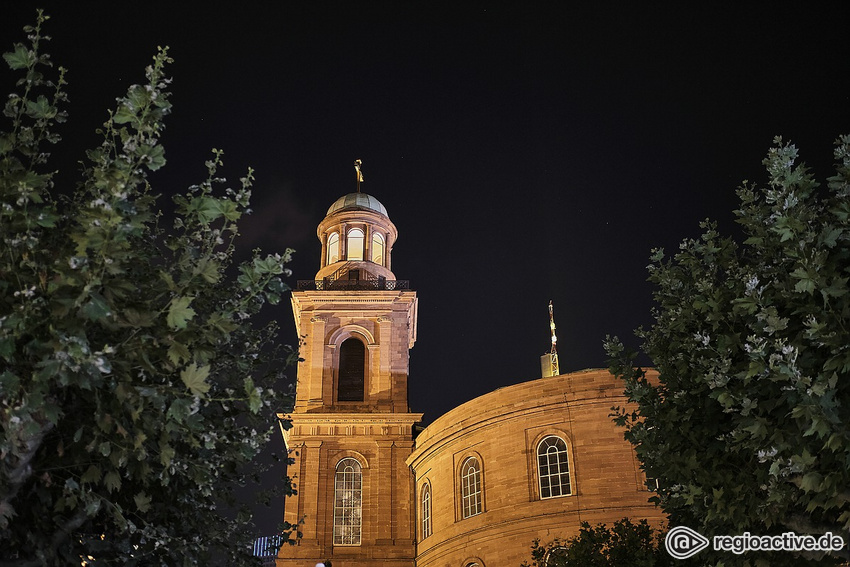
(337, 285)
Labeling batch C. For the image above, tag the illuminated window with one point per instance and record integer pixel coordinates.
(348, 502)
(553, 467)
(470, 487)
(426, 511)
(378, 249)
(355, 244)
(333, 248)
(352, 371)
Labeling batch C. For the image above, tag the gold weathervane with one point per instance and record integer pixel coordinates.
(358, 175)
(553, 354)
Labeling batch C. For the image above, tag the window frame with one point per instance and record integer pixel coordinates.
(343, 355)
(377, 244)
(425, 510)
(348, 516)
(552, 556)
(562, 460)
(471, 488)
(333, 245)
(348, 244)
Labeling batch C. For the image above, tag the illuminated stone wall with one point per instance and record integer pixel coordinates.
(352, 409)
(503, 429)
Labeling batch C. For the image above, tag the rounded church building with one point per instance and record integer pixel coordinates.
(474, 488)
(527, 461)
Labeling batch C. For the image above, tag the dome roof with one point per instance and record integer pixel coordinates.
(360, 201)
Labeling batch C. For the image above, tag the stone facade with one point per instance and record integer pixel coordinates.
(503, 430)
(360, 476)
(352, 430)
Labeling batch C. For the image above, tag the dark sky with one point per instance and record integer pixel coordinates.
(524, 153)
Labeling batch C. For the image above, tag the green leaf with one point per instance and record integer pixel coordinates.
(92, 474)
(811, 482)
(153, 156)
(124, 114)
(179, 312)
(218, 321)
(255, 402)
(7, 348)
(830, 236)
(96, 307)
(805, 284)
(112, 481)
(169, 281)
(194, 378)
(9, 383)
(228, 209)
(143, 502)
(40, 108)
(178, 353)
(166, 453)
(136, 318)
(208, 208)
(208, 269)
(20, 58)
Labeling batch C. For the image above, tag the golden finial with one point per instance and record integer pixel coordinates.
(358, 174)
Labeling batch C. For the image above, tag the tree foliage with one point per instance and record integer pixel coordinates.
(625, 543)
(747, 428)
(134, 390)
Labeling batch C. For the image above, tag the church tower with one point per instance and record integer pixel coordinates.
(352, 429)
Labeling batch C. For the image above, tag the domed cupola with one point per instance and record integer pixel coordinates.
(357, 239)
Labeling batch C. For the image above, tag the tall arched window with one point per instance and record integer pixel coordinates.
(470, 487)
(352, 371)
(333, 248)
(553, 467)
(348, 502)
(378, 249)
(355, 244)
(426, 510)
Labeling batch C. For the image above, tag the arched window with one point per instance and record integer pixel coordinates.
(333, 248)
(470, 487)
(378, 249)
(352, 371)
(426, 510)
(553, 467)
(355, 243)
(555, 557)
(348, 502)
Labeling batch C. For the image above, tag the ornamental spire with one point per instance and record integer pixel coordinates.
(358, 175)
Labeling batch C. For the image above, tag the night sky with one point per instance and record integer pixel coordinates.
(524, 153)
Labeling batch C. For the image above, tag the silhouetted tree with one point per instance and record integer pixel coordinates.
(134, 391)
(746, 429)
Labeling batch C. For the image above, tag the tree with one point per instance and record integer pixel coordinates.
(134, 390)
(625, 543)
(746, 429)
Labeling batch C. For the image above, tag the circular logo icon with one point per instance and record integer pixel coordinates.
(683, 542)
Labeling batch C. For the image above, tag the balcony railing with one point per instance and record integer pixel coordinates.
(361, 284)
